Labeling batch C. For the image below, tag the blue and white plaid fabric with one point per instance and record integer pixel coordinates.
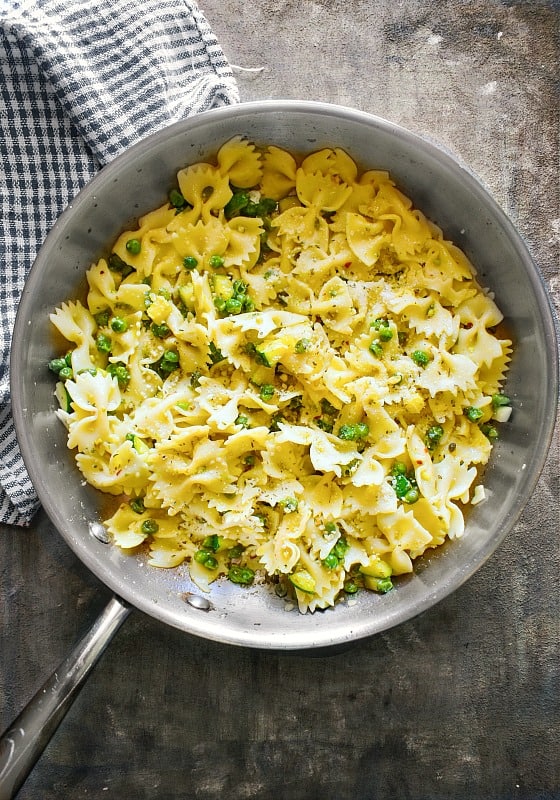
(81, 80)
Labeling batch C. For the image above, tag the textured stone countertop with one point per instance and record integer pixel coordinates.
(464, 700)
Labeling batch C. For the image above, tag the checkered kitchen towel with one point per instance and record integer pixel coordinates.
(80, 81)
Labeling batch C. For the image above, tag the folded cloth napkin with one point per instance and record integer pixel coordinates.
(81, 80)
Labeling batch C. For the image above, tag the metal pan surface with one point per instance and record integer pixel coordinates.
(137, 182)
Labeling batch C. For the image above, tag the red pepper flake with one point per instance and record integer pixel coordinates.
(347, 264)
(419, 462)
(467, 326)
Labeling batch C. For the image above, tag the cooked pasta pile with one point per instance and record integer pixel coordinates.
(285, 372)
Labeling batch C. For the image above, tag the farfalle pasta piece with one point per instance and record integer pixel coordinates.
(205, 188)
(243, 245)
(335, 162)
(303, 226)
(322, 192)
(278, 173)
(202, 240)
(102, 287)
(366, 238)
(240, 161)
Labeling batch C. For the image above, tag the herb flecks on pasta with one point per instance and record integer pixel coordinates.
(286, 372)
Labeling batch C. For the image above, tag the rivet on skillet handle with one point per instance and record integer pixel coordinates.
(24, 741)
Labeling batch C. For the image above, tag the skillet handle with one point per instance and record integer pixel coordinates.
(23, 742)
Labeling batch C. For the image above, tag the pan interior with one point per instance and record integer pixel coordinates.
(137, 182)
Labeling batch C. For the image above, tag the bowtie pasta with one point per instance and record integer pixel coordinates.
(284, 373)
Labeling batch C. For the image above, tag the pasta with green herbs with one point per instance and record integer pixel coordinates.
(285, 373)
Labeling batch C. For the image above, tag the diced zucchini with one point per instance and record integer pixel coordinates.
(223, 286)
(140, 445)
(381, 585)
(63, 397)
(270, 353)
(262, 375)
(186, 293)
(303, 581)
(377, 568)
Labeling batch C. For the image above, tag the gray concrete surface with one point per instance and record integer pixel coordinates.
(461, 702)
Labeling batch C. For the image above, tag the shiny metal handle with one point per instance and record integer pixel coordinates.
(24, 741)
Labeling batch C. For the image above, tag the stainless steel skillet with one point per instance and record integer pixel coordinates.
(137, 182)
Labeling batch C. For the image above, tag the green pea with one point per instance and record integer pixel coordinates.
(171, 356)
(401, 485)
(421, 358)
(385, 334)
(351, 587)
(103, 343)
(412, 496)
(149, 526)
(220, 304)
(65, 374)
(202, 555)
(57, 364)
(376, 349)
(176, 199)
(331, 527)
(120, 372)
(211, 563)
(212, 542)
(248, 303)
(242, 420)
(341, 547)
(119, 325)
(102, 318)
(216, 262)
(137, 505)
(133, 246)
(398, 468)
(433, 436)
(160, 331)
(190, 262)
(234, 306)
(331, 561)
(241, 575)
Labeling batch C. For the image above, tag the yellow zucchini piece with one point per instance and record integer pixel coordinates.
(262, 375)
(271, 352)
(223, 286)
(63, 397)
(377, 568)
(186, 293)
(140, 445)
(303, 581)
